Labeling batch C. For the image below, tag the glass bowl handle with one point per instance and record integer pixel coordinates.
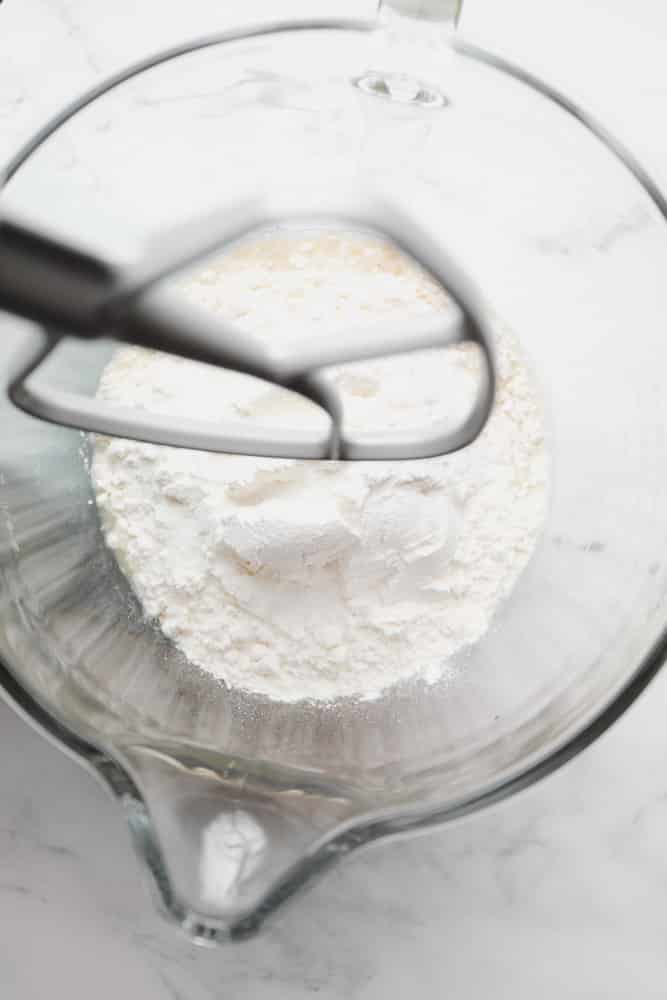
(447, 11)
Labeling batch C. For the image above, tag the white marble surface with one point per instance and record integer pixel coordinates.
(561, 892)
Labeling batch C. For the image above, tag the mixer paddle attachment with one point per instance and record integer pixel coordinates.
(68, 291)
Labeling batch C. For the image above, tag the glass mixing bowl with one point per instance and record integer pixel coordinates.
(567, 245)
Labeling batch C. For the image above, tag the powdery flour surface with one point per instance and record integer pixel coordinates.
(321, 580)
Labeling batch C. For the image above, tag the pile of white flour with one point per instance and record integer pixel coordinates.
(321, 580)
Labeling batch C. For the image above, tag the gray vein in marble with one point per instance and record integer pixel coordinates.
(580, 240)
(631, 224)
(77, 33)
(173, 992)
(18, 889)
(16, 836)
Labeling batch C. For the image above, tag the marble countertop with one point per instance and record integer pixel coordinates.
(560, 892)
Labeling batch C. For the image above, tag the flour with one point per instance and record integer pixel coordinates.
(312, 579)
(233, 849)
